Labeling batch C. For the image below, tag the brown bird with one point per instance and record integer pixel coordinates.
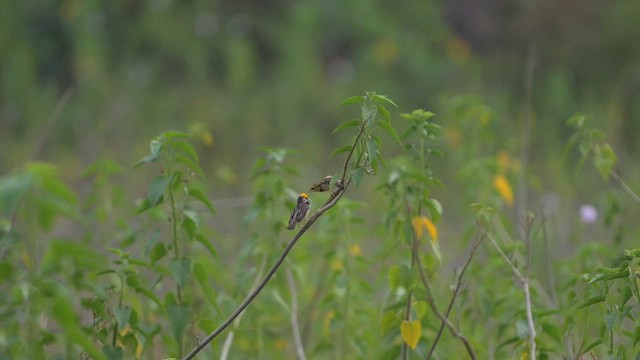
(322, 185)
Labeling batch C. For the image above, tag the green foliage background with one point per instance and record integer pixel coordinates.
(86, 84)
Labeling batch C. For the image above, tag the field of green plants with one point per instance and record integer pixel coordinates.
(481, 189)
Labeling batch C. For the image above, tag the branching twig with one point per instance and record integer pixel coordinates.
(331, 202)
(524, 281)
(456, 291)
(294, 316)
(335, 197)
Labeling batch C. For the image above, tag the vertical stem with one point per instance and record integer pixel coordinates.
(297, 340)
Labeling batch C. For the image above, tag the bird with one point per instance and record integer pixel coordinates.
(322, 185)
(300, 212)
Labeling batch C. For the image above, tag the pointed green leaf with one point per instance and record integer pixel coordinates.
(435, 209)
(197, 194)
(156, 189)
(386, 126)
(122, 316)
(178, 315)
(209, 293)
(340, 150)
(386, 116)
(181, 268)
(175, 134)
(383, 99)
(593, 300)
(604, 160)
(346, 124)
(207, 244)
(357, 176)
(352, 100)
(187, 149)
(181, 159)
(113, 353)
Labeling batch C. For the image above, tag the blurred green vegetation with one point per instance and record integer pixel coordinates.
(85, 84)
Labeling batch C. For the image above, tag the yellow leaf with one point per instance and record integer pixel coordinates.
(326, 325)
(337, 265)
(355, 250)
(280, 345)
(411, 332)
(503, 160)
(431, 228)
(524, 356)
(502, 186)
(417, 226)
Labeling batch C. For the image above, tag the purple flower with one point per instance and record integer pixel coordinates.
(588, 214)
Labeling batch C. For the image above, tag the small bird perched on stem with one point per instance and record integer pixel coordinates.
(300, 212)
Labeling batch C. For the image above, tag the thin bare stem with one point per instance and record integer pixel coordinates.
(229, 339)
(524, 282)
(625, 187)
(297, 340)
(355, 143)
(51, 120)
(456, 291)
(331, 202)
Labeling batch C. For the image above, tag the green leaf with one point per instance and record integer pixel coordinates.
(604, 160)
(122, 316)
(178, 315)
(636, 336)
(12, 190)
(113, 353)
(146, 292)
(197, 194)
(421, 308)
(386, 116)
(155, 147)
(401, 276)
(610, 319)
(181, 159)
(346, 125)
(175, 134)
(156, 189)
(592, 345)
(352, 100)
(553, 331)
(435, 209)
(357, 176)
(593, 300)
(372, 148)
(209, 293)
(390, 320)
(383, 99)
(386, 126)
(340, 150)
(207, 244)
(187, 149)
(181, 268)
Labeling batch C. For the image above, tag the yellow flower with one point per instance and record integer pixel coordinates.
(502, 186)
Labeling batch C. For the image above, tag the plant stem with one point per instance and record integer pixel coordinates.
(331, 202)
(525, 285)
(625, 187)
(444, 318)
(295, 327)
